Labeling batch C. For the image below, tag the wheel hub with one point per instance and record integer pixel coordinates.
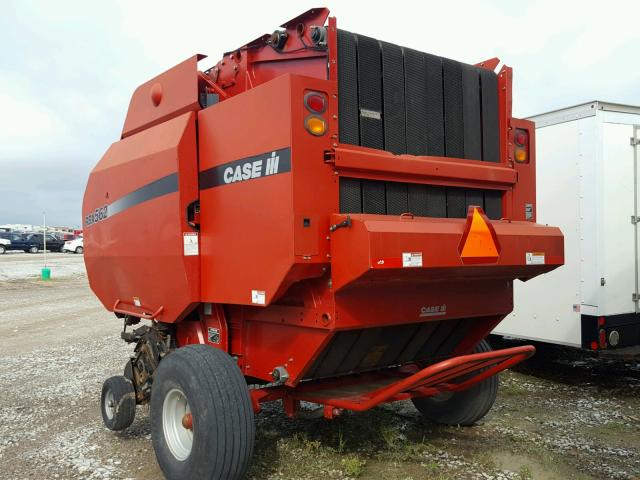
(177, 424)
(109, 405)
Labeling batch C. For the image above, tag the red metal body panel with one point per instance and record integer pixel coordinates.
(386, 238)
(137, 253)
(168, 95)
(280, 273)
(280, 250)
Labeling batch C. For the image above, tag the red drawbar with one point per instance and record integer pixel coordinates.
(362, 392)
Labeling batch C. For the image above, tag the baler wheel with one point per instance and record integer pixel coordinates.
(201, 415)
(461, 408)
(118, 403)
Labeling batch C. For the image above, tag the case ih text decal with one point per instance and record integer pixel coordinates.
(262, 165)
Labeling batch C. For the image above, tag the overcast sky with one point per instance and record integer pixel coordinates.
(67, 69)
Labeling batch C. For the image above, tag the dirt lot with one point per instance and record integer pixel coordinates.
(560, 416)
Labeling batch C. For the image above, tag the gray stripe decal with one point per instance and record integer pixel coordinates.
(150, 191)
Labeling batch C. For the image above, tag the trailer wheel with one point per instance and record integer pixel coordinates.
(201, 415)
(118, 403)
(461, 408)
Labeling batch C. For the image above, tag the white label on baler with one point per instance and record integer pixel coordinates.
(535, 258)
(412, 259)
(190, 243)
(258, 297)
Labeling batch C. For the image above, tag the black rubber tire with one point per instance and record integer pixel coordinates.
(223, 423)
(124, 399)
(128, 371)
(61, 249)
(79, 250)
(33, 250)
(3, 249)
(461, 408)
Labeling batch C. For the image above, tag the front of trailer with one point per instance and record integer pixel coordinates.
(341, 218)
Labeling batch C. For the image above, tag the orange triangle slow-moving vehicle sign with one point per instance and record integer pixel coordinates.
(479, 243)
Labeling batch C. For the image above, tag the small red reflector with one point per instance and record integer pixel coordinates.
(601, 321)
(602, 337)
(315, 102)
(594, 345)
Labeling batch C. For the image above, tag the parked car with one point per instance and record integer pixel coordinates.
(75, 246)
(18, 241)
(54, 244)
(4, 243)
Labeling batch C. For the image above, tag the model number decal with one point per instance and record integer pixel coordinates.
(99, 214)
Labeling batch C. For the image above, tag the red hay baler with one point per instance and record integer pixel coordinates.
(320, 217)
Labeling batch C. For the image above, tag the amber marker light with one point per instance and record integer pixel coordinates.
(315, 125)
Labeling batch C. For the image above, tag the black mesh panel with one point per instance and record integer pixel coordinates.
(405, 101)
(456, 203)
(370, 93)
(397, 198)
(416, 98)
(493, 204)
(453, 111)
(393, 96)
(490, 124)
(418, 200)
(348, 81)
(437, 201)
(350, 195)
(471, 109)
(373, 197)
(435, 105)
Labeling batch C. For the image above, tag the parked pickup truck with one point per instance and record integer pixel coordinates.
(31, 243)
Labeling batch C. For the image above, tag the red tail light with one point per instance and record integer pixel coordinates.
(315, 102)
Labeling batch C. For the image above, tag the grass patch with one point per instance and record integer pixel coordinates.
(353, 466)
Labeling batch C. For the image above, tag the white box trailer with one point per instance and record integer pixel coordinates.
(587, 184)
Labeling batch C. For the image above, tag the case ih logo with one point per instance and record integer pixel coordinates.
(263, 165)
(255, 169)
(433, 311)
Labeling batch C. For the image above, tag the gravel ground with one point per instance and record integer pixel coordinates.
(19, 265)
(560, 416)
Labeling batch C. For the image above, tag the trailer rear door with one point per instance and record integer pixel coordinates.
(618, 245)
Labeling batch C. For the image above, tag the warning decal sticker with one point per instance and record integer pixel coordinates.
(190, 243)
(258, 297)
(535, 258)
(412, 259)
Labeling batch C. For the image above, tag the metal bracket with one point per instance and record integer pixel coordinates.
(342, 224)
(635, 219)
(634, 141)
(635, 297)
